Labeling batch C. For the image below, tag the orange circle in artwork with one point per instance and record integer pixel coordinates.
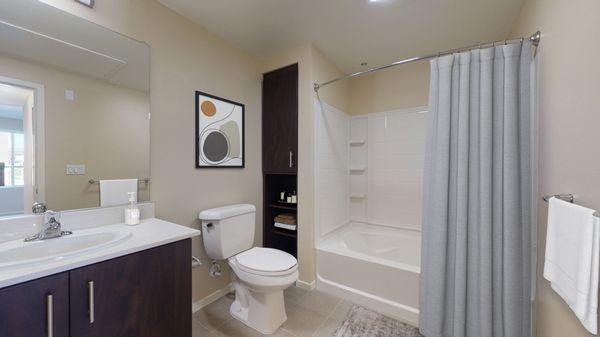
(208, 108)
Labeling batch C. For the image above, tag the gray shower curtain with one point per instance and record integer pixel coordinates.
(476, 244)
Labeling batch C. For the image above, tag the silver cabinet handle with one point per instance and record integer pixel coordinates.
(50, 315)
(90, 286)
(291, 159)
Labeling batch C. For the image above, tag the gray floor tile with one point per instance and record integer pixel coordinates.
(302, 322)
(319, 301)
(198, 330)
(215, 314)
(293, 294)
(235, 328)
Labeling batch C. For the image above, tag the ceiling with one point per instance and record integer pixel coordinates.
(349, 32)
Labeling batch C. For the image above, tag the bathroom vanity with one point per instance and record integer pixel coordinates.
(136, 285)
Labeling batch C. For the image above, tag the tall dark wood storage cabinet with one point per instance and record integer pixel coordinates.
(280, 120)
(280, 155)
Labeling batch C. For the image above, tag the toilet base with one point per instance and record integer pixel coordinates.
(262, 311)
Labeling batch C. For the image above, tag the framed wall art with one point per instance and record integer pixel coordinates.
(219, 132)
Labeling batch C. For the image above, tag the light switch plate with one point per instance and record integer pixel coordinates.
(75, 169)
(69, 95)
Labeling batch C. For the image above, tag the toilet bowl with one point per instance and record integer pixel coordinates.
(260, 274)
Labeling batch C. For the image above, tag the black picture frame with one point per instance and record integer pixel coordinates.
(197, 131)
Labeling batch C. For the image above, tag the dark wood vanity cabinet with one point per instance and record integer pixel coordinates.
(280, 120)
(147, 294)
(29, 309)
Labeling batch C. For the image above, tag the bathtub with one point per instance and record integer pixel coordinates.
(375, 266)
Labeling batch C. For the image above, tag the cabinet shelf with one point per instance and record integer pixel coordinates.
(286, 207)
(283, 232)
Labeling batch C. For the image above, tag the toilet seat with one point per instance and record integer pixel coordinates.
(266, 262)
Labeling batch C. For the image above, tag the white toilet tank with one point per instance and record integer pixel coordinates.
(228, 230)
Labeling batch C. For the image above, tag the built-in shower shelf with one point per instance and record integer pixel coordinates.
(357, 169)
(357, 195)
(357, 142)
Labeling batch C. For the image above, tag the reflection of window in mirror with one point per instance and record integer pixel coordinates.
(16, 147)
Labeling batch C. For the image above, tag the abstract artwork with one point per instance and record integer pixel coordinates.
(219, 132)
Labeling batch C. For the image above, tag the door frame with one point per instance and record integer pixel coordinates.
(39, 114)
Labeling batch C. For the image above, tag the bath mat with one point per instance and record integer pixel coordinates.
(361, 322)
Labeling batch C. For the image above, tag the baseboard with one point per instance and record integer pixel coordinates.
(306, 285)
(211, 298)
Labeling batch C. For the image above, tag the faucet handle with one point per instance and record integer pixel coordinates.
(38, 208)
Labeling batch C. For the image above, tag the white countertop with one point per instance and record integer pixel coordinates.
(148, 234)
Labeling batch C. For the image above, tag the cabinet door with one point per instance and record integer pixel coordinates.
(143, 294)
(38, 308)
(280, 120)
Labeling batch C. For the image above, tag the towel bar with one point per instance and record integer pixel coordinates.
(568, 198)
(96, 181)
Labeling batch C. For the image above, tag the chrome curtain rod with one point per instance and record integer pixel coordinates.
(534, 39)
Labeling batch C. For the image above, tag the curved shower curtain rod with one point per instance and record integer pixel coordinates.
(534, 39)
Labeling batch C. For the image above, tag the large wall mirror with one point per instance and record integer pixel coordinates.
(74, 110)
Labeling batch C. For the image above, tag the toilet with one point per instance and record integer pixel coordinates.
(260, 274)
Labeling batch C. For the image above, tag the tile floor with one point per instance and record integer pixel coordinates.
(310, 314)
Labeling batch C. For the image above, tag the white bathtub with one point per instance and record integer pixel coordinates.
(375, 266)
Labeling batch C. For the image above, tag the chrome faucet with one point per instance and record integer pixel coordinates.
(51, 228)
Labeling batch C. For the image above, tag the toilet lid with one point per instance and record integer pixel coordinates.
(266, 259)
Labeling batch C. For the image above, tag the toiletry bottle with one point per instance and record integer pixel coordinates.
(294, 198)
(132, 212)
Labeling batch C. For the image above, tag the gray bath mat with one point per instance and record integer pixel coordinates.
(361, 322)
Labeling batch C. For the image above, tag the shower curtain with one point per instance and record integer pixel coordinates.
(476, 239)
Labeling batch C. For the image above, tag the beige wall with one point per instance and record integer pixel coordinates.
(568, 123)
(185, 58)
(406, 86)
(105, 128)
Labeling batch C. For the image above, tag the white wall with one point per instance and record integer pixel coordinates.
(396, 146)
(332, 180)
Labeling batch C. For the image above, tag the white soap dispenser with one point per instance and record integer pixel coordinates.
(132, 212)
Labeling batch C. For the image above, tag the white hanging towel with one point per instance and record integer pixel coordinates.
(115, 192)
(572, 256)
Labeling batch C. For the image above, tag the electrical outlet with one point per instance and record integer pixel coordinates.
(75, 169)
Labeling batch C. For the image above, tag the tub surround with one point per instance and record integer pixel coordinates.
(151, 232)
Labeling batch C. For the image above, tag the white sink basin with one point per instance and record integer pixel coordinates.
(18, 253)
